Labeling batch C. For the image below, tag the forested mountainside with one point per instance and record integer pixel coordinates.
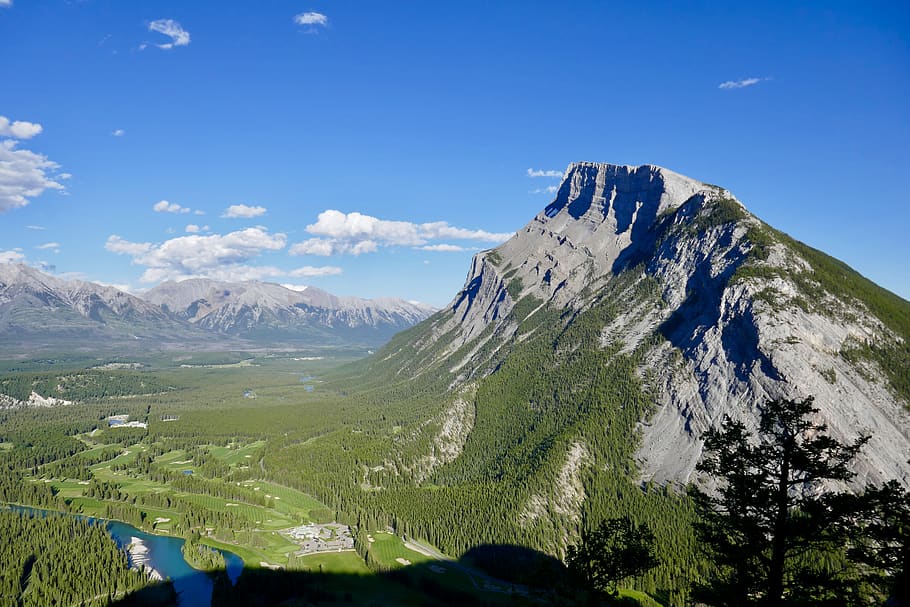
(573, 376)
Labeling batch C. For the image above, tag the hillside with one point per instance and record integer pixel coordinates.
(572, 377)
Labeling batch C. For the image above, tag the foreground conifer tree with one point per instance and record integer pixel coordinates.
(776, 532)
(616, 550)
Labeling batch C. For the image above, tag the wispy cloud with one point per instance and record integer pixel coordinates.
(24, 174)
(20, 129)
(6, 3)
(740, 84)
(543, 173)
(444, 248)
(311, 19)
(192, 228)
(36, 227)
(243, 211)
(118, 132)
(55, 246)
(340, 233)
(163, 206)
(550, 189)
(171, 29)
(313, 271)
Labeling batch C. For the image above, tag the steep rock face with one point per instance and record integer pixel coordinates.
(245, 308)
(723, 311)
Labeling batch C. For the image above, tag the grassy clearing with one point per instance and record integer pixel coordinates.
(388, 548)
(334, 562)
(237, 455)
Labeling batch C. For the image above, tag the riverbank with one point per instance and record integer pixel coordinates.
(139, 559)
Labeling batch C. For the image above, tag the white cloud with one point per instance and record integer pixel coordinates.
(19, 129)
(115, 244)
(543, 173)
(49, 245)
(192, 228)
(215, 256)
(36, 227)
(550, 189)
(171, 29)
(6, 3)
(315, 271)
(118, 132)
(14, 256)
(198, 212)
(163, 206)
(325, 247)
(444, 248)
(340, 233)
(298, 288)
(311, 18)
(740, 84)
(243, 211)
(24, 175)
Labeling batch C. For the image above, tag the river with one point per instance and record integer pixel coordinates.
(194, 588)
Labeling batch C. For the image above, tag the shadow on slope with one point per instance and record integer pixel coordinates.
(524, 577)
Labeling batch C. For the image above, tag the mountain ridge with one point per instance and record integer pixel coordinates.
(40, 309)
(721, 312)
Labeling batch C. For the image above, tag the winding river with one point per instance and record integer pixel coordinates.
(194, 588)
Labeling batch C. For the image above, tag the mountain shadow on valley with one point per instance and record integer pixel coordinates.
(488, 575)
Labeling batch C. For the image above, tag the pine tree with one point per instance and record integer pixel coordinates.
(773, 530)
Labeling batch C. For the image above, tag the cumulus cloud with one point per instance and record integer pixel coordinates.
(338, 233)
(443, 248)
(543, 173)
(118, 132)
(24, 175)
(118, 245)
(192, 228)
(13, 256)
(740, 84)
(171, 29)
(243, 211)
(163, 206)
(19, 129)
(312, 19)
(328, 246)
(215, 256)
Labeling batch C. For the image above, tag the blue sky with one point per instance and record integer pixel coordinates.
(371, 148)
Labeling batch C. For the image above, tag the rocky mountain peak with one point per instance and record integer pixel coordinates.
(720, 312)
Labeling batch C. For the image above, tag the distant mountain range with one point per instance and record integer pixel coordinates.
(41, 312)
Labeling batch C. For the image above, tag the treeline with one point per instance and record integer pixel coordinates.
(59, 560)
(15, 489)
(200, 556)
(91, 384)
(556, 390)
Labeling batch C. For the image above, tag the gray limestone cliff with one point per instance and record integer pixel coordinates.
(741, 313)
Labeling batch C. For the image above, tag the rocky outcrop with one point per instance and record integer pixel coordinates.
(725, 312)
